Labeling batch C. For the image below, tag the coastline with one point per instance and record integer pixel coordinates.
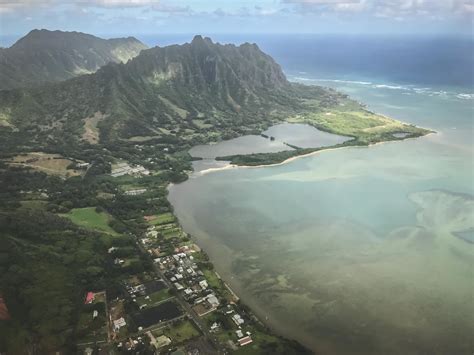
(289, 160)
(235, 287)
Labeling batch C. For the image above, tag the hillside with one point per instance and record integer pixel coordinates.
(185, 94)
(44, 56)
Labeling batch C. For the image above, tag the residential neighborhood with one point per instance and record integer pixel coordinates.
(181, 306)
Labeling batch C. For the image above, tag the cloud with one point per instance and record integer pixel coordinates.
(9, 6)
(324, 6)
(117, 3)
(394, 9)
(14, 5)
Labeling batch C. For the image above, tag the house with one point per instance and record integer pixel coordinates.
(213, 301)
(203, 284)
(214, 326)
(152, 233)
(89, 297)
(246, 340)
(239, 334)
(119, 323)
(95, 314)
(237, 319)
(188, 291)
(178, 286)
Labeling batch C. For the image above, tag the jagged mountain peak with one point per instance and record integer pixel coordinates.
(44, 56)
(163, 87)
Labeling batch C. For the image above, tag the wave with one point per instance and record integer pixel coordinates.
(408, 89)
(391, 87)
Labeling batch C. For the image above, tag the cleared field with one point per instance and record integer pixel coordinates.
(91, 132)
(163, 218)
(88, 218)
(53, 164)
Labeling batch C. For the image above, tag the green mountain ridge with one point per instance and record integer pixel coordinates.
(162, 88)
(186, 94)
(44, 56)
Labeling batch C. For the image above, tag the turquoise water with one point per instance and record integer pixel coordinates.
(355, 250)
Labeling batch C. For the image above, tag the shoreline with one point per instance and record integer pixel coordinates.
(230, 166)
(254, 309)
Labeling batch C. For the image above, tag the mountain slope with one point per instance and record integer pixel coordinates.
(44, 56)
(188, 94)
(162, 88)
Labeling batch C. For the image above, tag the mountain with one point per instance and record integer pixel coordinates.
(186, 94)
(176, 88)
(44, 56)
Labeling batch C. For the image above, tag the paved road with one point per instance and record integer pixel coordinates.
(185, 305)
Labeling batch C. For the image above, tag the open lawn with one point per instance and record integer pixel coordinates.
(155, 297)
(53, 164)
(163, 218)
(365, 126)
(88, 218)
(212, 278)
(179, 332)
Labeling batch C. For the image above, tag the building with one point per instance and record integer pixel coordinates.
(89, 297)
(119, 323)
(125, 169)
(213, 301)
(237, 319)
(245, 340)
(203, 284)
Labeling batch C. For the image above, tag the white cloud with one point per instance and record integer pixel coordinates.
(117, 3)
(14, 5)
(395, 9)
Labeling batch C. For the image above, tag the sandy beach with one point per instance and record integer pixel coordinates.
(289, 160)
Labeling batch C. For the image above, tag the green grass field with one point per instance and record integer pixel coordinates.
(365, 126)
(155, 297)
(88, 218)
(163, 218)
(212, 278)
(180, 332)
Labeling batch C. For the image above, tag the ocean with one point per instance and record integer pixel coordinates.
(360, 250)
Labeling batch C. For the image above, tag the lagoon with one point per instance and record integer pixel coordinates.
(277, 138)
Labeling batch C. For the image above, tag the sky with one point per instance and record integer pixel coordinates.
(132, 17)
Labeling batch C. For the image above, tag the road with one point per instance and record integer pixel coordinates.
(185, 305)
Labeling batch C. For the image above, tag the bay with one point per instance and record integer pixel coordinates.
(355, 250)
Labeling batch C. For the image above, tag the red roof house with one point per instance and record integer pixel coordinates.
(89, 297)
